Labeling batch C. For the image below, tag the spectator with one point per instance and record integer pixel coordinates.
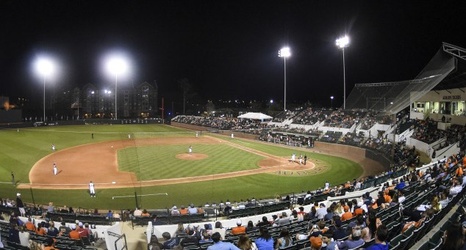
(453, 238)
(239, 229)
(170, 242)
(245, 243)
(284, 239)
(220, 245)
(265, 240)
(353, 242)
(381, 235)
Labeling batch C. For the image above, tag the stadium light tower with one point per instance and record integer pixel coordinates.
(116, 65)
(284, 52)
(342, 43)
(44, 67)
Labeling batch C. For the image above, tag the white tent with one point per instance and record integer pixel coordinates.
(255, 116)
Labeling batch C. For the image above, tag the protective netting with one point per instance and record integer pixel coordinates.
(392, 97)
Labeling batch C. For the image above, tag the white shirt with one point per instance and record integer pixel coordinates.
(192, 210)
(456, 189)
(321, 212)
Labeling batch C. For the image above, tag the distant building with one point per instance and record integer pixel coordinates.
(135, 101)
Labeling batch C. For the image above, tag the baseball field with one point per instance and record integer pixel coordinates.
(153, 163)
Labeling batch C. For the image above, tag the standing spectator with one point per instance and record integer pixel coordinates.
(23, 237)
(20, 205)
(13, 234)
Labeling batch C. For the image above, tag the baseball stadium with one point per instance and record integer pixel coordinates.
(131, 178)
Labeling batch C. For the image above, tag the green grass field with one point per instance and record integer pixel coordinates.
(20, 150)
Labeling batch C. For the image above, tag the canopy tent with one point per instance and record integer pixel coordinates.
(255, 116)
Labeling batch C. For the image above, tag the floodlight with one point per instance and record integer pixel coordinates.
(284, 52)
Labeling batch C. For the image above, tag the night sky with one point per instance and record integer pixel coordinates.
(226, 49)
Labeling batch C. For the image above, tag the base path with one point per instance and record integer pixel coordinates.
(98, 163)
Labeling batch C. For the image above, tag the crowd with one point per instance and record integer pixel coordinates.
(373, 222)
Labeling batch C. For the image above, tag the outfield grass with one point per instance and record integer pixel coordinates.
(20, 150)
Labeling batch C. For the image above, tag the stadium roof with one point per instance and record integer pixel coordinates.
(446, 70)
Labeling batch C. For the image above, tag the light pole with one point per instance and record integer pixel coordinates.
(285, 52)
(45, 67)
(331, 102)
(116, 65)
(342, 43)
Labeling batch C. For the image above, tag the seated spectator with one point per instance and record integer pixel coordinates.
(250, 227)
(264, 222)
(145, 213)
(265, 240)
(170, 242)
(154, 243)
(381, 235)
(284, 220)
(137, 212)
(245, 243)
(239, 229)
(30, 225)
(284, 239)
(453, 237)
(347, 215)
(183, 210)
(221, 245)
(321, 211)
(74, 235)
(174, 211)
(192, 209)
(353, 242)
(219, 229)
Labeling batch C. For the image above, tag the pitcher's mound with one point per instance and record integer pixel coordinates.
(192, 156)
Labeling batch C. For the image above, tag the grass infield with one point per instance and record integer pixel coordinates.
(21, 149)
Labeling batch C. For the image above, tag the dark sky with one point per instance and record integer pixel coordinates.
(226, 49)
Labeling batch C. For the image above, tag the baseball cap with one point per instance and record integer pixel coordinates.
(239, 222)
(18, 194)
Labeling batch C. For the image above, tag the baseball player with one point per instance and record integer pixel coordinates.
(55, 169)
(91, 189)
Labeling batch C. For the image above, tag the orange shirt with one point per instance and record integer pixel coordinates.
(459, 171)
(346, 216)
(75, 235)
(387, 198)
(238, 230)
(184, 211)
(358, 211)
(41, 231)
(30, 226)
